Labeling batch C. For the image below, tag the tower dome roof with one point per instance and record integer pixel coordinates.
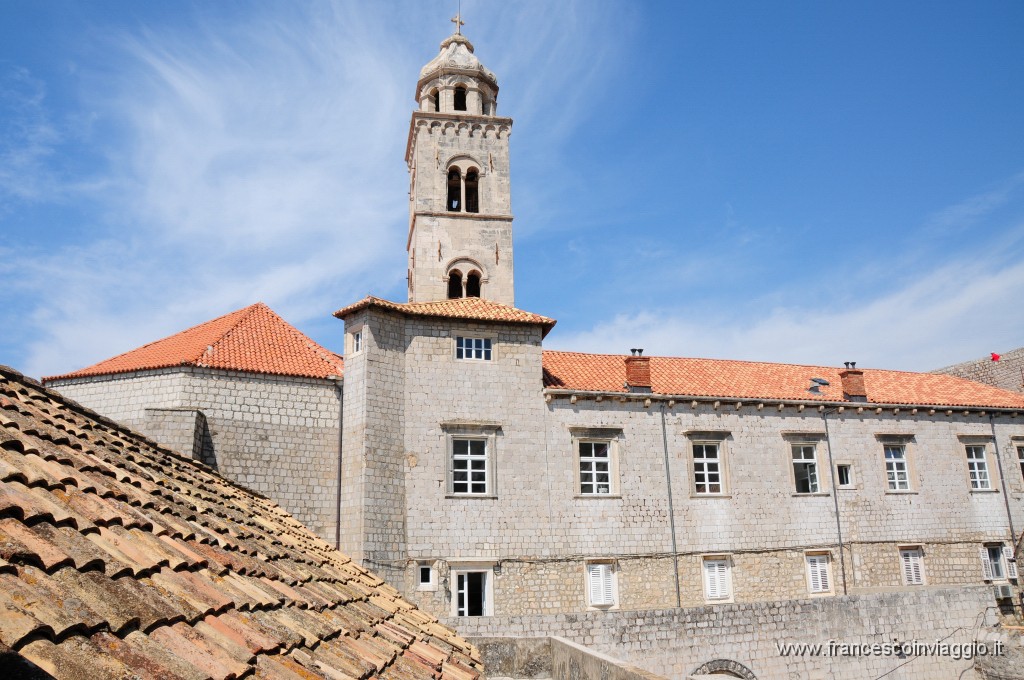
(457, 56)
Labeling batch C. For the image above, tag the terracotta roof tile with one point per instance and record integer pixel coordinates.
(119, 558)
(471, 309)
(761, 380)
(253, 340)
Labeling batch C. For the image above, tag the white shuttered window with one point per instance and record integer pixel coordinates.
(818, 580)
(717, 579)
(600, 586)
(1011, 564)
(912, 560)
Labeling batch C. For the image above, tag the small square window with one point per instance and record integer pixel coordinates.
(977, 467)
(426, 574)
(844, 476)
(476, 349)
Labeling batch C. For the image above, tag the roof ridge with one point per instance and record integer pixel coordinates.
(248, 312)
(731, 361)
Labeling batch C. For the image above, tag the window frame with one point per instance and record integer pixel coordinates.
(356, 341)
(978, 465)
(609, 586)
(464, 569)
(892, 480)
(1019, 447)
(704, 438)
(612, 437)
(813, 557)
(1006, 564)
(486, 348)
(908, 554)
(724, 563)
(472, 431)
(852, 483)
(812, 463)
(430, 585)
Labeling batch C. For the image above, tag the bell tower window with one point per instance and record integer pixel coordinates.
(473, 284)
(460, 98)
(455, 285)
(472, 191)
(436, 97)
(454, 202)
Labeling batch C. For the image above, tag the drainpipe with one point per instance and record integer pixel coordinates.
(835, 499)
(671, 509)
(1002, 482)
(339, 388)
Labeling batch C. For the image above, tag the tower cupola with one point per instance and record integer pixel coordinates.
(455, 81)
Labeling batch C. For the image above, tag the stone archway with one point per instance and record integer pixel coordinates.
(724, 668)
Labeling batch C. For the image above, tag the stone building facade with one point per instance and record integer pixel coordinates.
(621, 501)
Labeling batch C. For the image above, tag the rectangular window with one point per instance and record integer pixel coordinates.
(357, 341)
(707, 468)
(595, 468)
(426, 575)
(469, 466)
(717, 578)
(844, 475)
(472, 593)
(818, 578)
(997, 563)
(912, 563)
(805, 468)
(896, 467)
(1020, 457)
(473, 348)
(977, 466)
(601, 584)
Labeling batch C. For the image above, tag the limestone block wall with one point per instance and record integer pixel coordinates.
(277, 435)
(748, 637)
(1005, 373)
(538, 532)
(181, 429)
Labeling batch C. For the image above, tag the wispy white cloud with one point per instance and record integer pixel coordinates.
(27, 138)
(966, 213)
(956, 312)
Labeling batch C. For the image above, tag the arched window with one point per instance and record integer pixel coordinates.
(454, 284)
(454, 203)
(472, 191)
(460, 98)
(473, 284)
(436, 96)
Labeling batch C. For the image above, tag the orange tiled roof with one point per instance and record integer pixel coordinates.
(253, 339)
(470, 308)
(760, 380)
(120, 559)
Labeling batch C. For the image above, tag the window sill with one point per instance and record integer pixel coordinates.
(984, 490)
(847, 488)
(816, 494)
(710, 495)
(901, 492)
(471, 496)
(602, 607)
(598, 496)
(712, 603)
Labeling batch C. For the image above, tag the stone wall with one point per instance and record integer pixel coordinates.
(277, 435)
(1005, 373)
(747, 637)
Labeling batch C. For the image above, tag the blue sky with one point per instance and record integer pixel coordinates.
(804, 182)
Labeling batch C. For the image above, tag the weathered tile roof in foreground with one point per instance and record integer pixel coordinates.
(119, 558)
(253, 339)
(760, 380)
(469, 308)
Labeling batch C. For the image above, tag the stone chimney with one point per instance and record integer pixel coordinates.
(853, 385)
(638, 371)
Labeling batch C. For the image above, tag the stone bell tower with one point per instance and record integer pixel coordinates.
(460, 210)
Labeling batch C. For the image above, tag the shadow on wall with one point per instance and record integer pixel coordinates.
(184, 430)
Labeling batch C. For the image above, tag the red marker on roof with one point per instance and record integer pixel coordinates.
(995, 357)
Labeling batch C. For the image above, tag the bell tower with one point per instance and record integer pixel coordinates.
(460, 210)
